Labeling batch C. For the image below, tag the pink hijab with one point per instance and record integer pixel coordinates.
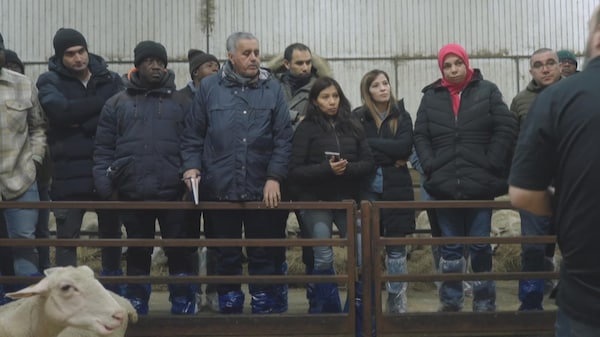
(454, 88)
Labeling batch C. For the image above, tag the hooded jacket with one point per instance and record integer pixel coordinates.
(73, 110)
(467, 156)
(138, 142)
(522, 102)
(298, 100)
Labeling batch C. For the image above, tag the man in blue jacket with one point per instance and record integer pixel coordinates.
(237, 138)
(72, 93)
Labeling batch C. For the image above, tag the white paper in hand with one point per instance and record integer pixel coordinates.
(195, 181)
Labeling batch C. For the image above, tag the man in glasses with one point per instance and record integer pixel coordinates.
(545, 71)
(568, 63)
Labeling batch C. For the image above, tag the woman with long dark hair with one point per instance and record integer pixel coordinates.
(330, 160)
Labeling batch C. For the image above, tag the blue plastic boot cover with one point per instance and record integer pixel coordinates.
(397, 300)
(231, 302)
(484, 295)
(327, 295)
(451, 292)
(183, 297)
(138, 295)
(531, 294)
(117, 288)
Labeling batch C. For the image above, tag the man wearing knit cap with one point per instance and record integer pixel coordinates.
(137, 158)
(22, 150)
(72, 93)
(568, 62)
(201, 65)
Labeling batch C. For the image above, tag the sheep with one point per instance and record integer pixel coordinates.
(66, 297)
(119, 332)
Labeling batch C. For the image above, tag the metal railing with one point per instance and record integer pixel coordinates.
(343, 324)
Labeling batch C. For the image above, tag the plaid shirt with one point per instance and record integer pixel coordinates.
(22, 134)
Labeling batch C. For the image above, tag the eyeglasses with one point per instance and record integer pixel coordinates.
(540, 65)
(568, 61)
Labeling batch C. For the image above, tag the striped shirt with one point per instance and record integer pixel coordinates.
(22, 134)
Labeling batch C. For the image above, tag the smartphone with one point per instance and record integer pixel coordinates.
(332, 155)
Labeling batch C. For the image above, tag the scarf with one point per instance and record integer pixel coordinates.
(454, 88)
(296, 82)
(235, 77)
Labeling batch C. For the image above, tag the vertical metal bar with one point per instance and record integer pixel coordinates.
(367, 268)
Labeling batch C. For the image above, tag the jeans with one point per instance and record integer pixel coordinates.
(566, 327)
(21, 223)
(532, 258)
(473, 222)
(319, 225)
(68, 226)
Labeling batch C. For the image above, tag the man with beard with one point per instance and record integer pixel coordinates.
(544, 70)
(559, 144)
(22, 149)
(137, 159)
(238, 135)
(72, 93)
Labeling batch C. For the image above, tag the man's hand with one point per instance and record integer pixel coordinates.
(338, 167)
(272, 193)
(188, 175)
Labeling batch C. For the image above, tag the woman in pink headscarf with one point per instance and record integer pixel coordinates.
(464, 133)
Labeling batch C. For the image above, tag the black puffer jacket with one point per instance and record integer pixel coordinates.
(311, 177)
(73, 111)
(466, 157)
(391, 152)
(138, 138)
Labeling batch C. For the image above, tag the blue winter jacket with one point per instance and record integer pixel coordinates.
(73, 111)
(237, 136)
(137, 142)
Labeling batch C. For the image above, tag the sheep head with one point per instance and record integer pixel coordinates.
(73, 297)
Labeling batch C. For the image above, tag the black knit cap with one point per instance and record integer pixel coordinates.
(66, 38)
(11, 56)
(1, 41)
(197, 58)
(147, 49)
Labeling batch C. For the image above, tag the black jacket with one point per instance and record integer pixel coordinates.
(138, 142)
(311, 177)
(391, 152)
(73, 111)
(466, 157)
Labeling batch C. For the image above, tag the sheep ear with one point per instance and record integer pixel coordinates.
(36, 289)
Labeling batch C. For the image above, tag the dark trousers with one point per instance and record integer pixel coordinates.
(173, 225)
(255, 224)
(68, 226)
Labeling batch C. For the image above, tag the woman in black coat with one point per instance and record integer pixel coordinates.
(388, 127)
(330, 159)
(464, 135)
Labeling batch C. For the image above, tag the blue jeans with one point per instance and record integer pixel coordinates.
(566, 327)
(532, 257)
(470, 222)
(319, 225)
(21, 224)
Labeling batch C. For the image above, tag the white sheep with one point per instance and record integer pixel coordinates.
(66, 297)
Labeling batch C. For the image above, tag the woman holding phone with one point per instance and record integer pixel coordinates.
(330, 160)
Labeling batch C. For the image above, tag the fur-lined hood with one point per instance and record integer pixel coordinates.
(320, 65)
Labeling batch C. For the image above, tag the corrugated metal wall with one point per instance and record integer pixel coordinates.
(399, 36)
